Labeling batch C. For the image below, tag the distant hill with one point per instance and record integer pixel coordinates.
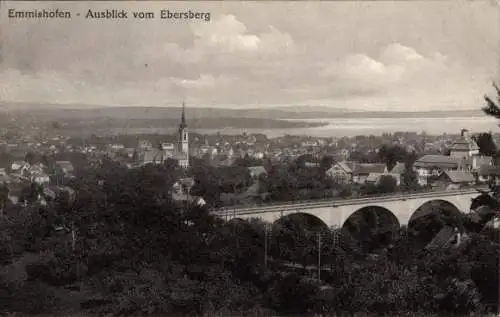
(86, 112)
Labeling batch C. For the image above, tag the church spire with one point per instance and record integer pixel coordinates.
(183, 117)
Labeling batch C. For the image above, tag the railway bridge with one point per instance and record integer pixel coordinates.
(403, 207)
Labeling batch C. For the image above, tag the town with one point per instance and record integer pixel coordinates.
(407, 161)
(79, 184)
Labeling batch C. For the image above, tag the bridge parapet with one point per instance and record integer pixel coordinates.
(343, 202)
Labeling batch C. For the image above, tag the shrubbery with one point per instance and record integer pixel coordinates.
(138, 252)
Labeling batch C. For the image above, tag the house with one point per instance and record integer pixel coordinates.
(221, 160)
(461, 178)
(64, 190)
(489, 174)
(361, 172)
(41, 178)
(183, 186)
(19, 166)
(115, 147)
(373, 178)
(478, 161)
(257, 171)
(66, 167)
(207, 149)
(3, 172)
(431, 166)
(447, 237)
(181, 158)
(128, 152)
(341, 172)
(151, 155)
(181, 192)
(35, 169)
(39, 166)
(464, 147)
(181, 200)
(345, 153)
(397, 172)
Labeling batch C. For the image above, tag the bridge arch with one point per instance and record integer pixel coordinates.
(371, 227)
(435, 205)
(304, 219)
(294, 238)
(430, 218)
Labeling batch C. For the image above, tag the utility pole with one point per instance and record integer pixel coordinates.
(319, 255)
(497, 232)
(266, 228)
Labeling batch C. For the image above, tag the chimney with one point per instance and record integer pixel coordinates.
(464, 133)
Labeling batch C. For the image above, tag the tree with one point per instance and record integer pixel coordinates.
(387, 184)
(4, 196)
(30, 158)
(486, 144)
(391, 155)
(409, 179)
(247, 161)
(491, 108)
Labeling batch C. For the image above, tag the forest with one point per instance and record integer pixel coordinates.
(122, 246)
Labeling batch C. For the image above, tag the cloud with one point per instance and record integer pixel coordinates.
(397, 53)
(253, 54)
(228, 35)
(396, 68)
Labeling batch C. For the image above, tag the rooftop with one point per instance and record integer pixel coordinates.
(460, 176)
(464, 144)
(369, 168)
(437, 160)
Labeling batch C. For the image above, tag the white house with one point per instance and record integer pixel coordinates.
(41, 179)
(19, 166)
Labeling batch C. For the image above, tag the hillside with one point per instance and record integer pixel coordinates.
(290, 112)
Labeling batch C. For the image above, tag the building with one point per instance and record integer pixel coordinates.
(465, 147)
(19, 166)
(460, 178)
(182, 155)
(256, 171)
(41, 179)
(183, 186)
(489, 174)
(397, 172)
(431, 166)
(146, 153)
(446, 237)
(341, 172)
(66, 167)
(361, 172)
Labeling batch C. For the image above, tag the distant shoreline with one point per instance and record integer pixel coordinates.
(278, 113)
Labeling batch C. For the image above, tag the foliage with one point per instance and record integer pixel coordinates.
(392, 154)
(486, 144)
(137, 251)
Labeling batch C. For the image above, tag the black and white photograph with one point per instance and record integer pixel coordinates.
(250, 158)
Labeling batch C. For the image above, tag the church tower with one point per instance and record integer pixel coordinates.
(183, 134)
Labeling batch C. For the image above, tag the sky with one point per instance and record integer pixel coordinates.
(380, 55)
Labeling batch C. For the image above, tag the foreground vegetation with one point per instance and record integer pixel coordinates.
(122, 246)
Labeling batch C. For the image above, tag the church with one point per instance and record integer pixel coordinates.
(146, 153)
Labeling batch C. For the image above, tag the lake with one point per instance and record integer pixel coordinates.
(350, 127)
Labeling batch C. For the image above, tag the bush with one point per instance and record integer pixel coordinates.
(31, 298)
